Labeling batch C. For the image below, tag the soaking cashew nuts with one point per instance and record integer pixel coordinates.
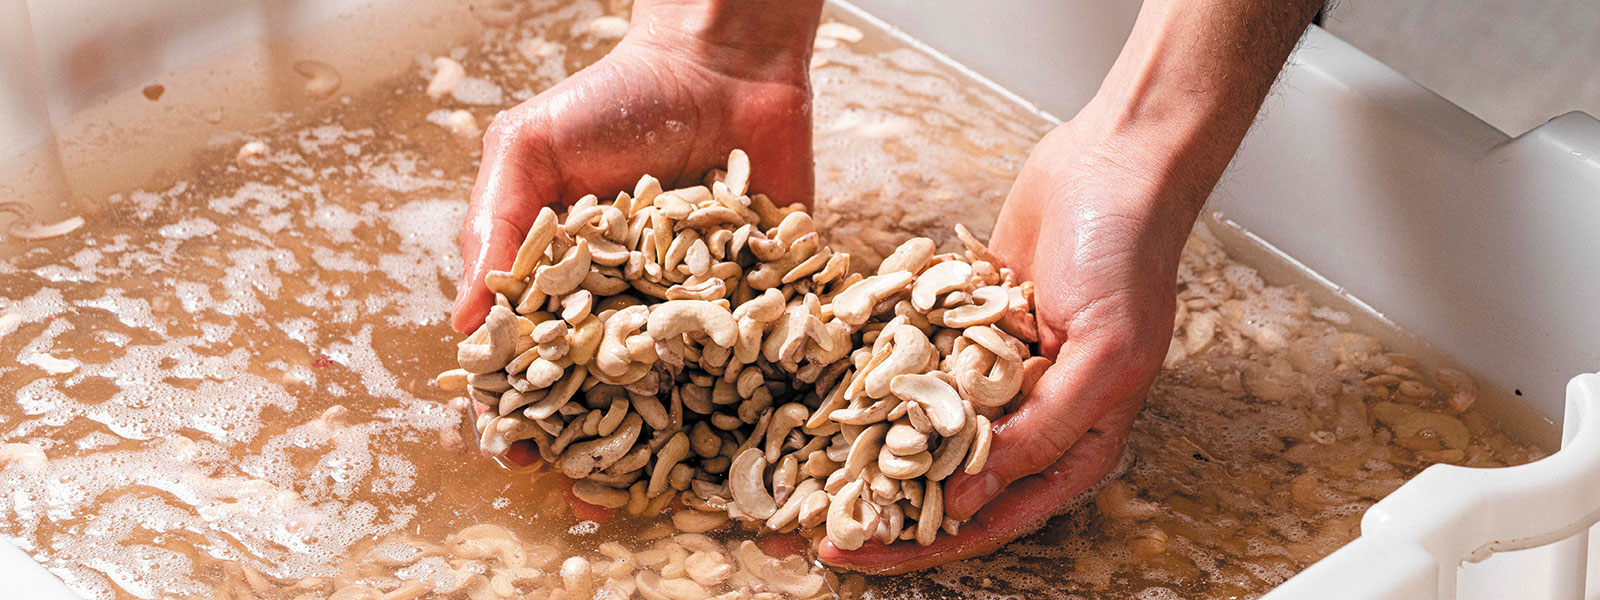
(703, 344)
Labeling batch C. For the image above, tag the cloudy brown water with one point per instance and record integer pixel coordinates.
(222, 381)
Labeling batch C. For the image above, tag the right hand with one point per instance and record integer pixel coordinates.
(661, 102)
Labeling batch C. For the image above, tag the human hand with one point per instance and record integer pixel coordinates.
(1100, 238)
(672, 99)
(1097, 219)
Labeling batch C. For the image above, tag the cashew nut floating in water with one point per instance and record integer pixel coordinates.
(599, 495)
(25, 227)
(322, 80)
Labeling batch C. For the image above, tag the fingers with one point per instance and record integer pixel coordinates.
(1078, 390)
(1020, 510)
(513, 183)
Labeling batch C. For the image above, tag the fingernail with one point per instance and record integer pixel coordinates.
(977, 492)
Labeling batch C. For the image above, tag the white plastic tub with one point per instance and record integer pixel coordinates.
(1482, 244)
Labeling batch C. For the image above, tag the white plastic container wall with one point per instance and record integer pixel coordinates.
(1500, 266)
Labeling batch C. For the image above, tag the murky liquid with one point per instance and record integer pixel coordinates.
(223, 380)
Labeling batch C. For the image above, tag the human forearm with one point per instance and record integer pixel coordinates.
(1190, 81)
(753, 39)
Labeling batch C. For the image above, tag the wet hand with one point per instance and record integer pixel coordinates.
(657, 104)
(1100, 239)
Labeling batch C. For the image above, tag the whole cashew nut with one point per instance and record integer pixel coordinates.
(784, 420)
(567, 275)
(585, 458)
(942, 403)
(985, 379)
(948, 276)
(501, 329)
(854, 304)
(911, 255)
(989, 304)
(911, 352)
(745, 481)
(844, 529)
(677, 317)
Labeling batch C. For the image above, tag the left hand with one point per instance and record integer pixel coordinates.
(1100, 238)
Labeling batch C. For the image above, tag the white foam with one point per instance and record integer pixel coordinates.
(479, 91)
(188, 229)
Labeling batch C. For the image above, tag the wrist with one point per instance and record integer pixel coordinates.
(1173, 159)
(746, 39)
(1189, 83)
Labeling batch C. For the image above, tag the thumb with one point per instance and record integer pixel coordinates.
(514, 182)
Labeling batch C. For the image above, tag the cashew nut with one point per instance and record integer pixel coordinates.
(668, 457)
(938, 279)
(446, 74)
(746, 484)
(501, 328)
(986, 379)
(903, 439)
(854, 304)
(677, 317)
(989, 304)
(911, 353)
(322, 80)
(846, 532)
(566, 275)
(584, 458)
(865, 449)
(931, 515)
(941, 401)
(910, 256)
(904, 467)
(978, 455)
(784, 420)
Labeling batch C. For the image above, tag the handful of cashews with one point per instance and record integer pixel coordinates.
(701, 343)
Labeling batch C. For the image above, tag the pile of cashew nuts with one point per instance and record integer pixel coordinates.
(726, 357)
